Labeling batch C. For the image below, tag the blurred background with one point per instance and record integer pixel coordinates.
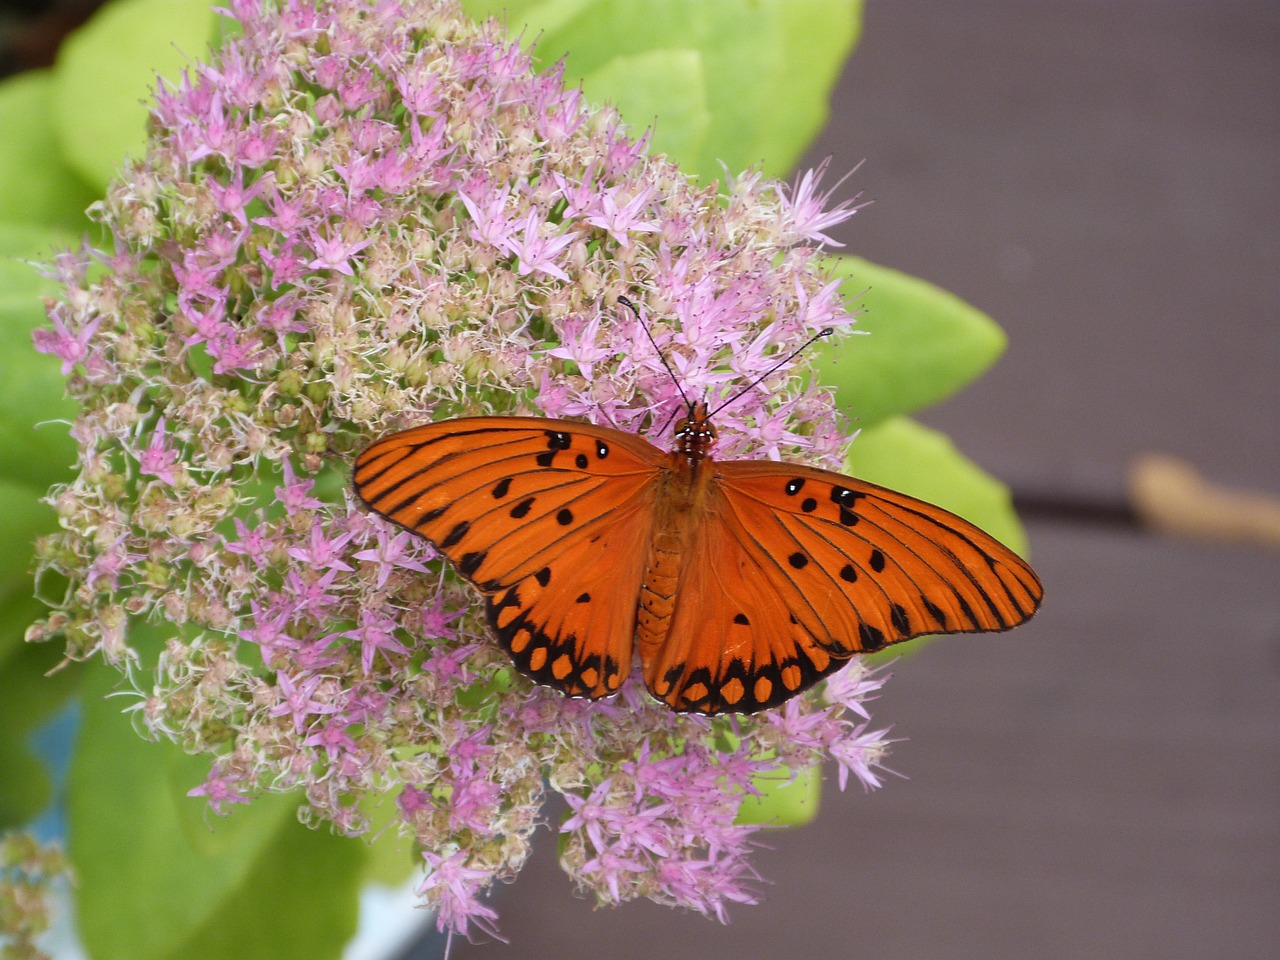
(1102, 179)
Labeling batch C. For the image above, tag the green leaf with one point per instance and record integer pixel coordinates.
(106, 74)
(35, 448)
(22, 518)
(665, 88)
(924, 344)
(160, 878)
(392, 859)
(904, 455)
(768, 68)
(788, 798)
(31, 691)
(39, 186)
(35, 242)
(25, 785)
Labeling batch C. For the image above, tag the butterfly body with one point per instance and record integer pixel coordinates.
(682, 491)
(741, 583)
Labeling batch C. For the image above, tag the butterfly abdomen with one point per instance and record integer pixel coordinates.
(682, 491)
(658, 591)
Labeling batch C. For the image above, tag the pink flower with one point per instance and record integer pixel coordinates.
(296, 493)
(536, 248)
(394, 552)
(619, 221)
(436, 620)
(253, 543)
(311, 594)
(323, 550)
(159, 458)
(860, 753)
(297, 700)
(68, 346)
(456, 888)
(806, 212)
(375, 633)
(221, 788)
(334, 251)
(492, 226)
(332, 738)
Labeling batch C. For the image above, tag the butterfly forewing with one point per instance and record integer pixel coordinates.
(538, 515)
(864, 566)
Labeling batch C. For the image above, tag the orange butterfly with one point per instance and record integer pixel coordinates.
(743, 582)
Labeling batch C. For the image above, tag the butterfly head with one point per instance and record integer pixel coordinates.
(695, 433)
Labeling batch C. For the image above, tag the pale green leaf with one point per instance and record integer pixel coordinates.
(660, 88)
(904, 455)
(768, 67)
(39, 187)
(31, 691)
(106, 74)
(922, 344)
(160, 878)
(35, 448)
(788, 798)
(22, 518)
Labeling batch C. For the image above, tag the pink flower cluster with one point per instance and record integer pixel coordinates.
(362, 215)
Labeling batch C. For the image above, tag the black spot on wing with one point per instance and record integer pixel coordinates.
(521, 509)
(871, 637)
(845, 497)
(935, 611)
(898, 616)
(540, 655)
(455, 535)
(470, 563)
(699, 677)
(501, 489)
(673, 674)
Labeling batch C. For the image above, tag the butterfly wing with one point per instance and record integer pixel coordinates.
(550, 520)
(793, 570)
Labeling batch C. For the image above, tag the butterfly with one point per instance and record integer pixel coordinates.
(741, 582)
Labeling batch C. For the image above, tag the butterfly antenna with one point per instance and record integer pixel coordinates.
(661, 356)
(825, 332)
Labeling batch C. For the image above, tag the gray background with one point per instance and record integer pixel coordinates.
(1102, 179)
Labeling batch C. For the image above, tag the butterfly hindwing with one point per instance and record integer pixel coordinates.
(531, 512)
(733, 644)
(570, 625)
